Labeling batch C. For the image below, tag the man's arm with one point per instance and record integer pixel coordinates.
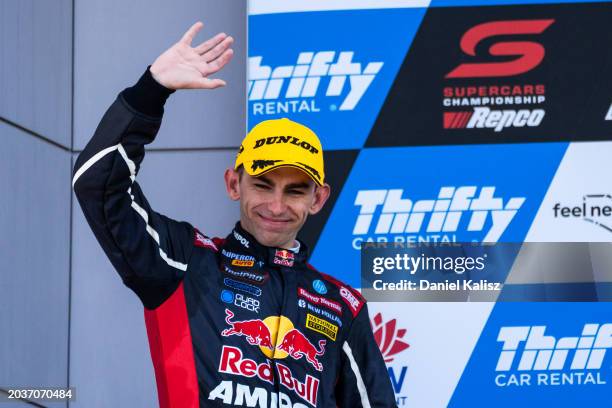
(149, 250)
(364, 380)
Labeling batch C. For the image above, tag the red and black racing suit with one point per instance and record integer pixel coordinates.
(230, 322)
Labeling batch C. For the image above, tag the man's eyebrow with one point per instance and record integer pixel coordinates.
(265, 180)
(297, 185)
(300, 185)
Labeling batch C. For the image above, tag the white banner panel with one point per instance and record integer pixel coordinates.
(440, 336)
(277, 6)
(578, 204)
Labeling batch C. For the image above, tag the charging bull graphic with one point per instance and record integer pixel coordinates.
(255, 330)
(263, 333)
(297, 345)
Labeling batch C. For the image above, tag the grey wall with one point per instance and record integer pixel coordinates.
(66, 317)
(36, 66)
(34, 260)
(115, 40)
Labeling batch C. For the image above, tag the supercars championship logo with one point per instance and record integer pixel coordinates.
(501, 105)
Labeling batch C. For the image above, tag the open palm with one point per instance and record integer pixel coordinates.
(185, 67)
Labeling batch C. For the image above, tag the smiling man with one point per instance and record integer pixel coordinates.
(240, 321)
(284, 164)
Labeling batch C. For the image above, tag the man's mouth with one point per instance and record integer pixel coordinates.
(274, 221)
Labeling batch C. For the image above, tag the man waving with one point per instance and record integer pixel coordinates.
(244, 320)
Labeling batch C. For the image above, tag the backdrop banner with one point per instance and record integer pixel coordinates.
(449, 122)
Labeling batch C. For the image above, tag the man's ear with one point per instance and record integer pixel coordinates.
(321, 195)
(232, 184)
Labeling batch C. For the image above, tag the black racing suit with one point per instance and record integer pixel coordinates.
(230, 322)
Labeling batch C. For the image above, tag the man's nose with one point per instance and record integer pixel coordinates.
(277, 205)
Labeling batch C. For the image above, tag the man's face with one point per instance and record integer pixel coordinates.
(274, 206)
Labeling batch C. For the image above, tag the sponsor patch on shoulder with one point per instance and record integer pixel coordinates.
(204, 242)
(354, 303)
(350, 296)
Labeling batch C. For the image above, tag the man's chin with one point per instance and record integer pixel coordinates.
(272, 238)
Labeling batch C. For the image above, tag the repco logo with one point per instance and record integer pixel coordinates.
(529, 54)
(498, 120)
(286, 139)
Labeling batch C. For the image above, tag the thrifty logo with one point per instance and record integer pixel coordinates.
(529, 357)
(403, 215)
(302, 81)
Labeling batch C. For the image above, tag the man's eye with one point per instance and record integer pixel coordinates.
(296, 192)
(262, 186)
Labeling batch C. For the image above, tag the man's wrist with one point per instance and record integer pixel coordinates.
(147, 96)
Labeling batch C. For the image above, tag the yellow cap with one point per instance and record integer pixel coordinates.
(281, 142)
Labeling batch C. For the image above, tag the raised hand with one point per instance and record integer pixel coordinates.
(185, 67)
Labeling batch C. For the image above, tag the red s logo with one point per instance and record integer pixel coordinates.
(529, 53)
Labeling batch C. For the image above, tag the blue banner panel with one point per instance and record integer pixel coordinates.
(329, 70)
(487, 193)
(538, 354)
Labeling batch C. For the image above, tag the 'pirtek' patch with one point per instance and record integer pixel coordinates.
(261, 164)
(286, 139)
(310, 169)
(321, 326)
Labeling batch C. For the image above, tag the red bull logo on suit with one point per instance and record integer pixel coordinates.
(255, 331)
(297, 345)
(276, 337)
(233, 362)
(283, 257)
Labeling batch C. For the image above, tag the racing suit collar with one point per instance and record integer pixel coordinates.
(240, 240)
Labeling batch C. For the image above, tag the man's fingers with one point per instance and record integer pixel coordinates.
(220, 62)
(191, 33)
(207, 83)
(218, 49)
(210, 43)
